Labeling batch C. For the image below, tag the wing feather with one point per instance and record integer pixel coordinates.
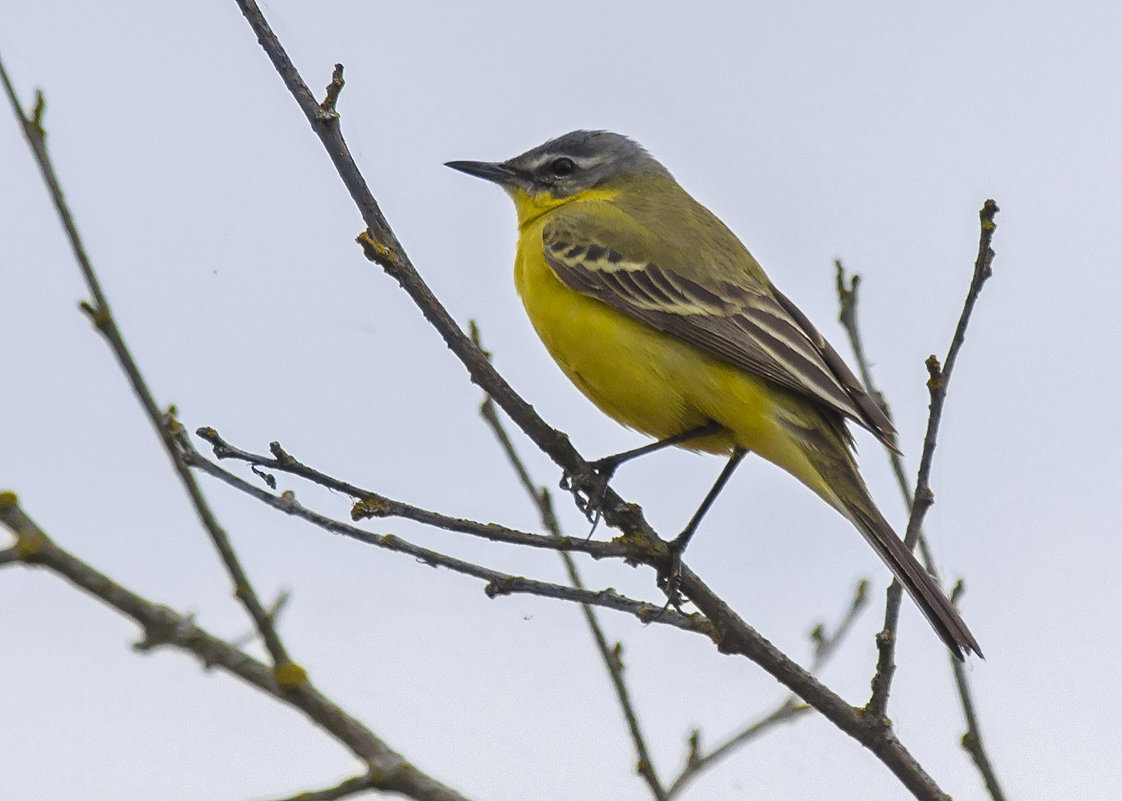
(754, 327)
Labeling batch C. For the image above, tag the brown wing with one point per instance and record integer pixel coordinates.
(752, 326)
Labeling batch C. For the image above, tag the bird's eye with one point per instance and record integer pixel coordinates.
(562, 167)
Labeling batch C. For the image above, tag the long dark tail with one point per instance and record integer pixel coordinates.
(944, 618)
(829, 450)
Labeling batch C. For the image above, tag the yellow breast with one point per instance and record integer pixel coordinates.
(623, 366)
(649, 380)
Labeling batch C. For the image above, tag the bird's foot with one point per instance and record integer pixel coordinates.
(589, 488)
(670, 576)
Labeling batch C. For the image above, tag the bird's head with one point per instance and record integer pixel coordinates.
(578, 165)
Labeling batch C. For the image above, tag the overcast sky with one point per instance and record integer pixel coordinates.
(225, 243)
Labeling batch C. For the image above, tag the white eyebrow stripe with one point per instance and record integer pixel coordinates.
(584, 162)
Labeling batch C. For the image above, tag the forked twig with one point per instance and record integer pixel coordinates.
(847, 295)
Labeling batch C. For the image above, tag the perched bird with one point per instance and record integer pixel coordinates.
(659, 314)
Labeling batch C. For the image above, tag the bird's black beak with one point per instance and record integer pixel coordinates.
(492, 171)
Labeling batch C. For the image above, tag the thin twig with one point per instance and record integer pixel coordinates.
(102, 318)
(847, 299)
(345, 788)
(923, 496)
(498, 583)
(847, 302)
(825, 646)
(389, 770)
(370, 504)
(788, 711)
(611, 656)
(972, 739)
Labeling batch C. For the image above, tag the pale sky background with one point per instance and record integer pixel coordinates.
(224, 240)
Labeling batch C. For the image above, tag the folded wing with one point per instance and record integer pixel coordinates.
(749, 324)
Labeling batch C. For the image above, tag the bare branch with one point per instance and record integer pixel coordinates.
(498, 583)
(103, 320)
(825, 646)
(611, 656)
(388, 770)
(923, 497)
(972, 739)
(370, 504)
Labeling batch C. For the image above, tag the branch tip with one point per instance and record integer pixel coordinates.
(281, 455)
(269, 479)
(861, 595)
(847, 295)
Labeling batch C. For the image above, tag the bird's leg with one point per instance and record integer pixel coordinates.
(677, 545)
(604, 469)
(607, 466)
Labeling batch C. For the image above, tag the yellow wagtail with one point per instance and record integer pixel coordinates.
(659, 314)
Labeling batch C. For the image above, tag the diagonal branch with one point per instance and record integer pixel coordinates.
(611, 656)
(972, 739)
(788, 710)
(387, 770)
(102, 318)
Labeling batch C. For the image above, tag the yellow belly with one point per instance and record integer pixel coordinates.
(648, 380)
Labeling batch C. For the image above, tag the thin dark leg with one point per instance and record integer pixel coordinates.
(679, 543)
(610, 463)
